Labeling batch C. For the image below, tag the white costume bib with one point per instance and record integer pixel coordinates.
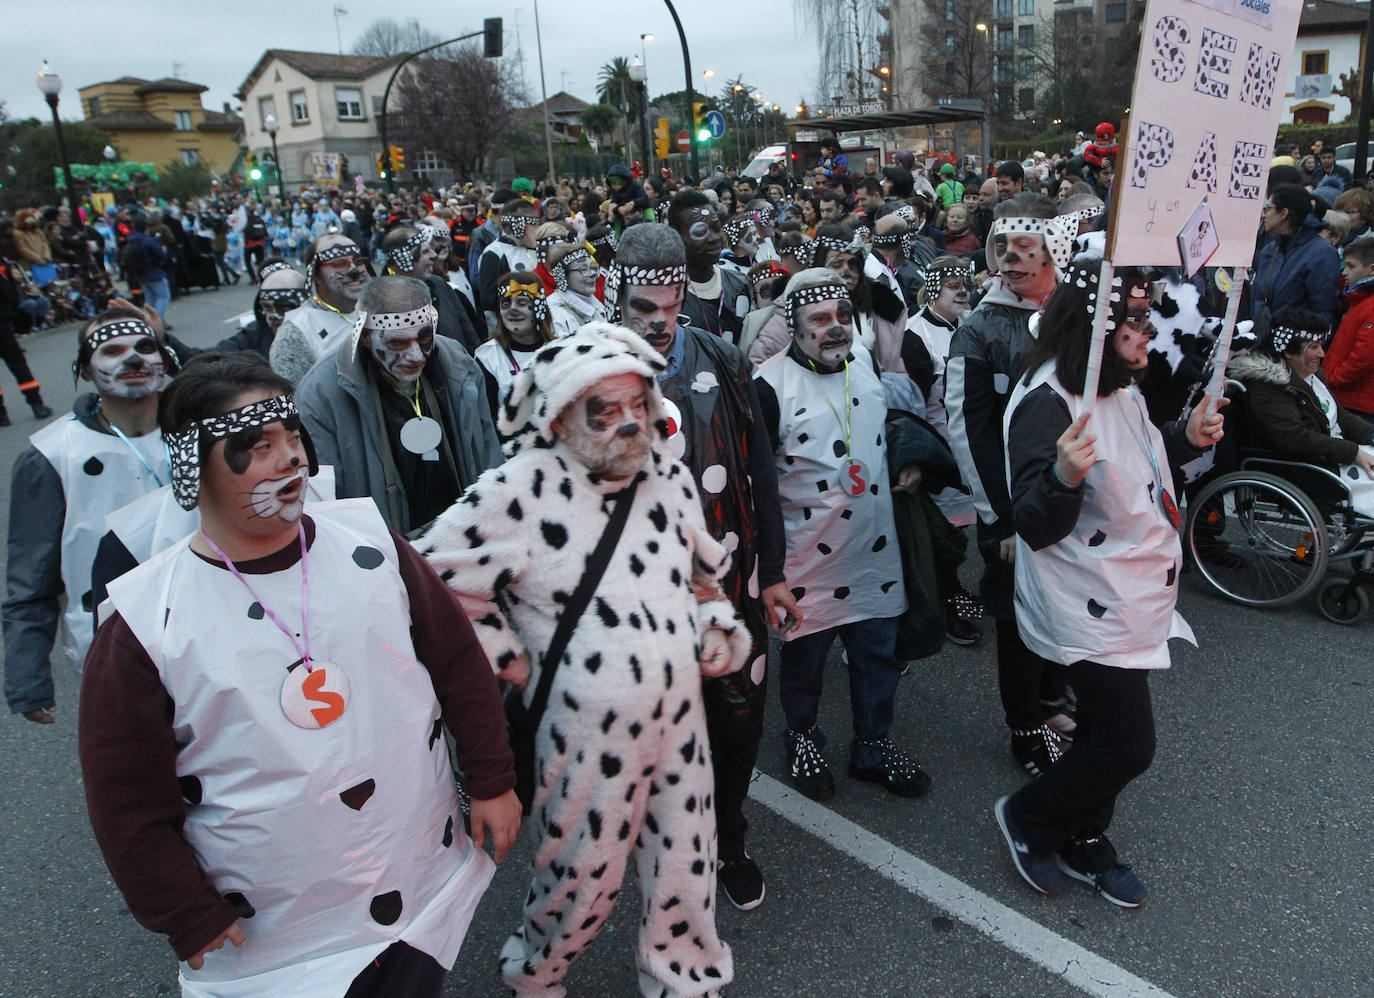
(571, 312)
(99, 473)
(842, 556)
(502, 365)
(1106, 592)
(323, 328)
(957, 506)
(340, 840)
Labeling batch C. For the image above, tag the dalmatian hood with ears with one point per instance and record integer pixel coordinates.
(565, 368)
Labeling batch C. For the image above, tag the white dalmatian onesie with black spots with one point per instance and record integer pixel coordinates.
(622, 760)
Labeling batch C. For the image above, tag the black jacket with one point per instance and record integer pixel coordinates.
(1286, 417)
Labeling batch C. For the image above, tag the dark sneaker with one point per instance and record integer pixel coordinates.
(807, 767)
(1037, 749)
(742, 882)
(961, 632)
(1115, 881)
(1041, 872)
(40, 411)
(896, 771)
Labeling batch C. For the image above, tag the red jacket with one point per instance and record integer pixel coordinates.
(1350, 361)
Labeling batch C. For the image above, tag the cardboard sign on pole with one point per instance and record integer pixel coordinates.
(1208, 95)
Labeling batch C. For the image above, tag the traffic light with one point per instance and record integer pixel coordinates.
(661, 139)
(398, 159)
(381, 166)
(491, 38)
(254, 173)
(699, 128)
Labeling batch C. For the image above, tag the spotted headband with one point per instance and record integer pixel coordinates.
(1057, 233)
(120, 327)
(937, 276)
(183, 447)
(280, 296)
(560, 269)
(606, 239)
(809, 296)
(1085, 276)
(774, 269)
(330, 254)
(402, 257)
(734, 227)
(382, 321)
(272, 268)
(542, 246)
(517, 285)
(805, 253)
(854, 245)
(1282, 336)
(1085, 213)
(516, 224)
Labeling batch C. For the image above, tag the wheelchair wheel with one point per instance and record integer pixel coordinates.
(1257, 539)
(1342, 601)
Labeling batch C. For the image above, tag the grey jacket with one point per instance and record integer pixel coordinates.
(341, 408)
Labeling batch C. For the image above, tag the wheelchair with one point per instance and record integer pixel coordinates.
(1264, 531)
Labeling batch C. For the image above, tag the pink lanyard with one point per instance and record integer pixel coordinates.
(305, 596)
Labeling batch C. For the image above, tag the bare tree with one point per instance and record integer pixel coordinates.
(1081, 78)
(457, 106)
(846, 36)
(387, 36)
(957, 54)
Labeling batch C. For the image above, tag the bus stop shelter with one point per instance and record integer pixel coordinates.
(875, 121)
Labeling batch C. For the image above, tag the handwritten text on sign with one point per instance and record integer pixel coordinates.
(1203, 118)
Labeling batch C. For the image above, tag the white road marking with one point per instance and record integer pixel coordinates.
(1082, 968)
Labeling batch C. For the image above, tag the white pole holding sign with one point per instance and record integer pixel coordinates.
(1221, 352)
(1092, 374)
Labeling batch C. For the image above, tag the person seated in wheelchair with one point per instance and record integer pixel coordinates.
(1294, 414)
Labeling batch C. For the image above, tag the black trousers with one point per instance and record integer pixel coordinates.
(1114, 743)
(400, 971)
(1023, 677)
(13, 356)
(734, 726)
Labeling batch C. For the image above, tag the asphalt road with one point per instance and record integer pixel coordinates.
(1251, 830)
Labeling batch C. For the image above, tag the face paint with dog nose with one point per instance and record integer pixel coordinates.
(128, 367)
(607, 426)
(401, 342)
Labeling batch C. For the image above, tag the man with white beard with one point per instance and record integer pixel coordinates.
(106, 453)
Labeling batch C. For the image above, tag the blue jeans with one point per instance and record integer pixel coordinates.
(156, 294)
(873, 674)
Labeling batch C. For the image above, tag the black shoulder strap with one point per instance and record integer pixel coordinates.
(581, 598)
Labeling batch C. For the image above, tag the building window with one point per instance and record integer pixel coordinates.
(300, 107)
(1025, 35)
(1003, 9)
(1116, 13)
(1002, 68)
(1025, 67)
(266, 106)
(949, 41)
(949, 73)
(190, 157)
(1004, 37)
(1026, 7)
(1003, 100)
(949, 10)
(95, 106)
(1313, 63)
(183, 120)
(1026, 99)
(428, 161)
(350, 104)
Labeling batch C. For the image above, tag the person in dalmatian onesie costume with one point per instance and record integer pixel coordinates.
(1097, 566)
(715, 430)
(622, 765)
(104, 454)
(264, 766)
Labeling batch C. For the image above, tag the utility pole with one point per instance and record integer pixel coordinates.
(691, 94)
(544, 92)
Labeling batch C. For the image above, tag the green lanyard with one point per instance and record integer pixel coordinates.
(844, 423)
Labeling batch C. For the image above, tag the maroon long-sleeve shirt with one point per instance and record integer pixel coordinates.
(128, 754)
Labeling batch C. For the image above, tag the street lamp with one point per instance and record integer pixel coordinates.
(644, 40)
(706, 74)
(109, 153)
(50, 85)
(270, 123)
(638, 74)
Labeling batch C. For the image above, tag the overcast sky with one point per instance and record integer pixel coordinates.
(217, 45)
